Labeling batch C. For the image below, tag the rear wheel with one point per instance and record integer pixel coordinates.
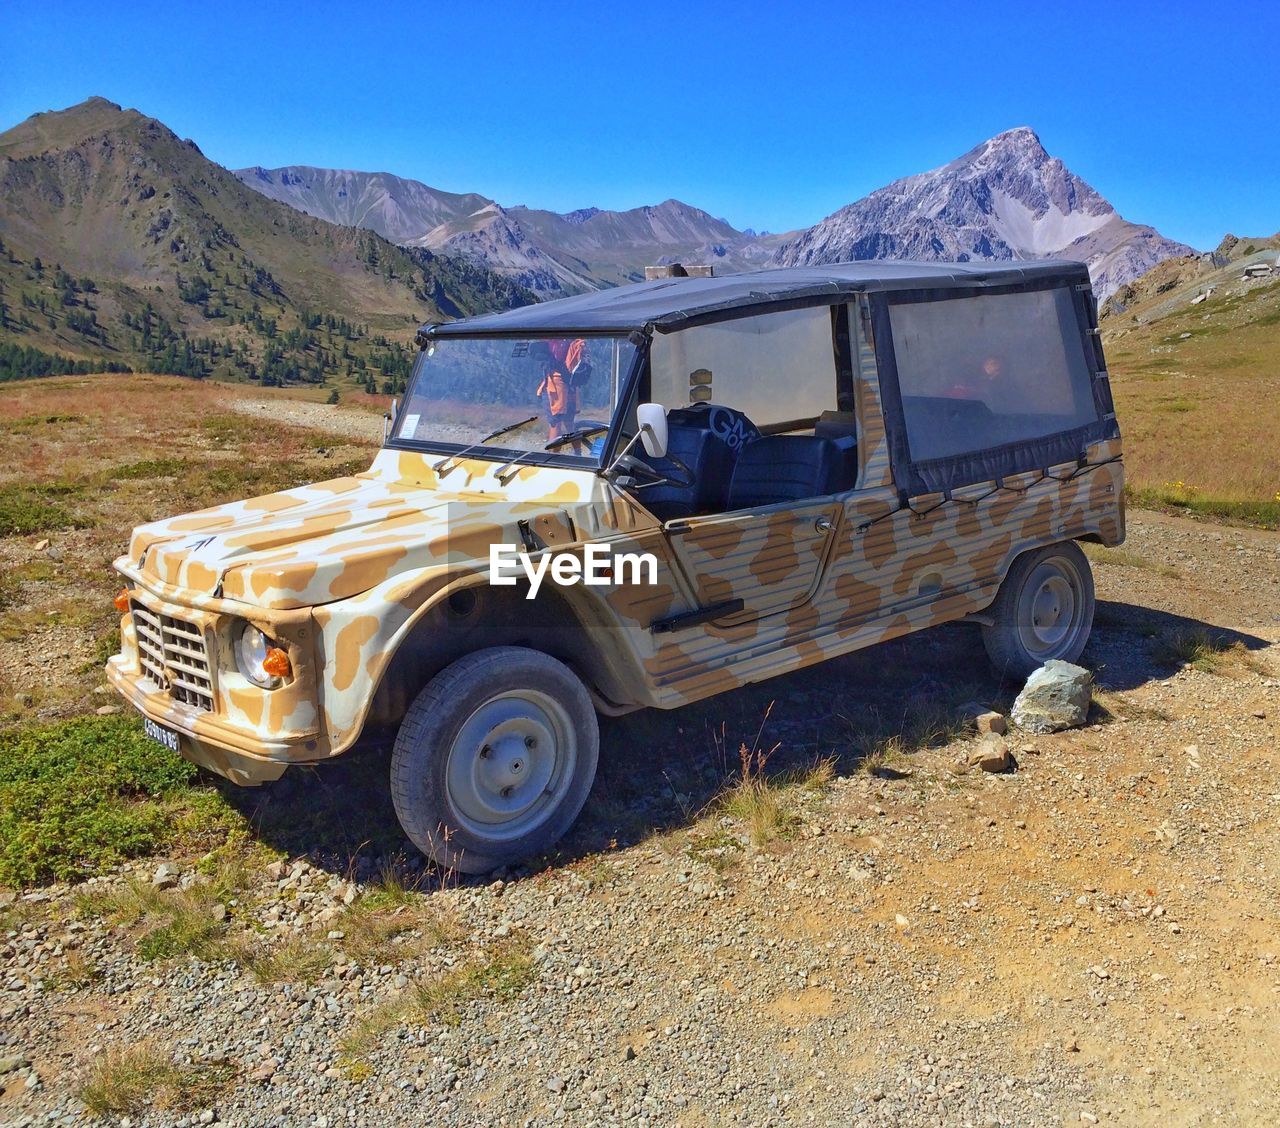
(494, 759)
(1044, 610)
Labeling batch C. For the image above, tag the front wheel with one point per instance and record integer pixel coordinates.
(494, 759)
(1044, 610)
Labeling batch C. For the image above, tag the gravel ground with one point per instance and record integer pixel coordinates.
(1092, 937)
(357, 424)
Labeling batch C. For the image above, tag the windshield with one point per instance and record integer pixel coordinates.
(510, 394)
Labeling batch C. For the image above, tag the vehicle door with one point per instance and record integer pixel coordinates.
(754, 556)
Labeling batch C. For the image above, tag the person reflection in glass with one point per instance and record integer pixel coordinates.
(565, 370)
(985, 384)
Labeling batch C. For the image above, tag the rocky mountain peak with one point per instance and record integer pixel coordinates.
(1005, 199)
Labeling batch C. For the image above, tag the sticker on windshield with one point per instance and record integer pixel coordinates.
(410, 427)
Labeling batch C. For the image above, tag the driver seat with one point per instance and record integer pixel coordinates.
(709, 457)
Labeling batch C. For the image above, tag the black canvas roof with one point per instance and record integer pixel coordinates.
(668, 304)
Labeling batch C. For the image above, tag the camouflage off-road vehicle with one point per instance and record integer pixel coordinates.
(759, 472)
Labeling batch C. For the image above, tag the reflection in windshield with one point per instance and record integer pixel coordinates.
(463, 390)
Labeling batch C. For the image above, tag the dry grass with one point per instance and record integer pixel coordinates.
(396, 920)
(883, 745)
(768, 804)
(166, 923)
(125, 1080)
(503, 973)
(1200, 414)
(1122, 558)
(295, 960)
(83, 459)
(76, 973)
(1196, 647)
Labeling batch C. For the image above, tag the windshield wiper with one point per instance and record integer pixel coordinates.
(476, 445)
(575, 436)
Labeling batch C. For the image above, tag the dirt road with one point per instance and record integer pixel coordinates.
(1093, 937)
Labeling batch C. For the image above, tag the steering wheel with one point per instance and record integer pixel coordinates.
(638, 468)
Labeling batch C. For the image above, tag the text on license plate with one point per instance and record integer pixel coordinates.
(160, 734)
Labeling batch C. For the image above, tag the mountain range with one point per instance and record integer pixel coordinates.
(551, 253)
(123, 245)
(1006, 199)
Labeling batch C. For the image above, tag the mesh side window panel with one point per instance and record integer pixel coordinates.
(983, 372)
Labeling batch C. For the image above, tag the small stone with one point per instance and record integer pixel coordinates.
(41, 545)
(1261, 714)
(992, 723)
(556, 1084)
(166, 876)
(337, 934)
(207, 1116)
(1100, 971)
(107, 710)
(219, 912)
(991, 755)
(629, 1054)
(277, 870)
(10, 1064)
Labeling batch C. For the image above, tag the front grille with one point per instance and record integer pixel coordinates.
(174, 656)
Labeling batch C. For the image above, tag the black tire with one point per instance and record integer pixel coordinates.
(1044, 610)
(494, 759)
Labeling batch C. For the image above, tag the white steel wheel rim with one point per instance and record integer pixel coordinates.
(1052, 608)
(511, 765)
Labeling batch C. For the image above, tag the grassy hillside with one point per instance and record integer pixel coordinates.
(123, 246)
(1198, 386)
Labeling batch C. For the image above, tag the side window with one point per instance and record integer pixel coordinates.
(773, 367)
(981, 372)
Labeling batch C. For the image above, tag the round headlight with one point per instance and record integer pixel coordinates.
(251, 651)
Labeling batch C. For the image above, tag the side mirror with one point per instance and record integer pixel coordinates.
(652, 418)
(388, 419)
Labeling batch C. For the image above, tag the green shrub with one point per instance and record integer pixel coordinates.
(79, 796)
(25, 510)
(150, 468)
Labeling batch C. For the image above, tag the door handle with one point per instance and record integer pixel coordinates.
(823, 524)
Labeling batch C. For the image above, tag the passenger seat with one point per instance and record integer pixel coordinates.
(778, 468)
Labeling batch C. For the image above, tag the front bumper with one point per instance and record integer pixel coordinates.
(206, 740)
(239, 731)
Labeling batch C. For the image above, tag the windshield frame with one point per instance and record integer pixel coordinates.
(494, 451)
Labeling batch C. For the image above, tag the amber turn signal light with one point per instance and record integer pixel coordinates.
(122, 600)
(276, 663)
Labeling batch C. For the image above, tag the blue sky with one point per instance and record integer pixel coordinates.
(770, 115)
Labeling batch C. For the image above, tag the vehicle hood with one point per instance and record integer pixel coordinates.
(332, 540)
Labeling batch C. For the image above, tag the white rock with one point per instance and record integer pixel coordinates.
(1056, 697)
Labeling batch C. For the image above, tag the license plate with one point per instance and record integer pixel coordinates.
(160, 734)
